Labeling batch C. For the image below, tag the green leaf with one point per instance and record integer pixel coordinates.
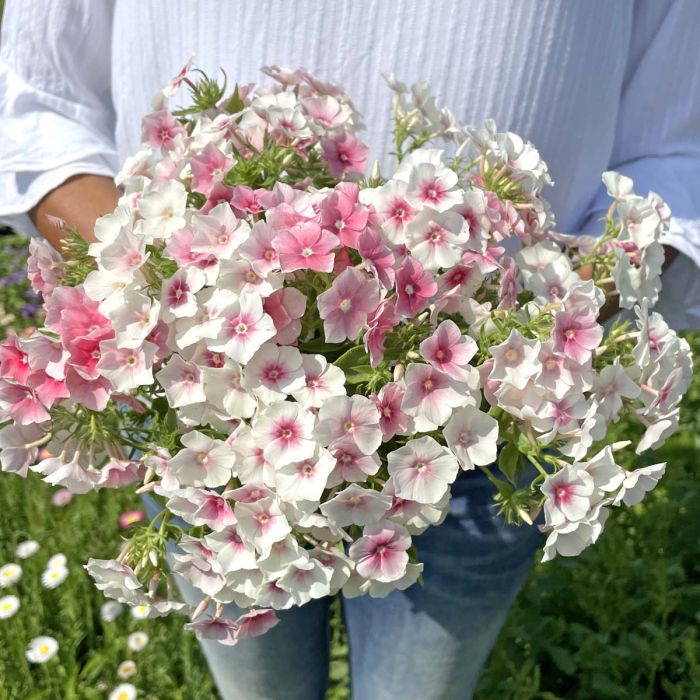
(508, 461)
(235, 103)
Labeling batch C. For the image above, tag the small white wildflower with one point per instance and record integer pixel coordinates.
(57, 561)
(137, 641)
(53, 577)
(9, 574)
(110, 611)
(41, 649)
(124, 691)
(140, 612)
(9, 605)
(126, 669)
(27, 548)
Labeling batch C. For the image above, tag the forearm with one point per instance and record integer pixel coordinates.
(79, 201)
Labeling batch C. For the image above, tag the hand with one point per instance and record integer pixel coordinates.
(612, 305)
(79, 201)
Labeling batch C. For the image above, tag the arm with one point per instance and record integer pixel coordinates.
(57, 151)
(657, 143)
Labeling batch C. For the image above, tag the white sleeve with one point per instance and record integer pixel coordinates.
(56, 113)
(657, 142)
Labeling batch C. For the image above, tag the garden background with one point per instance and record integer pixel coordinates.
(620, 621)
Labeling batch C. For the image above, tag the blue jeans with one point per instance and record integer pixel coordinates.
(426, 643)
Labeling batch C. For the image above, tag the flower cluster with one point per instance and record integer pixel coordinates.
(298, 362)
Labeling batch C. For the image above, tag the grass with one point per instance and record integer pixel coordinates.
(620, 621)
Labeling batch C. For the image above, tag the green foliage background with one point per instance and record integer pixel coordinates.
(619, 622)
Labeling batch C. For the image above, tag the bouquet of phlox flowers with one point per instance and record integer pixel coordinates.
(297, 360)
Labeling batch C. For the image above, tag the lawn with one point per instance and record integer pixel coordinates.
(620, 621)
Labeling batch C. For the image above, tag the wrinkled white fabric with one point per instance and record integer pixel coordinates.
(595, 85)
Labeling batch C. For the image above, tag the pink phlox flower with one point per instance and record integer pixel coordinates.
(473, 210)
(610, 386)
(577, 334)
(135, 319)
(246, 200)
(220, 629)
(392, 420)
(14, 361)
(177, 299)
(637, 483)
(325, 112)
(510, 286)
(430, 394)
(179, 249)
(21, 403)
(261, 523)
(231, 553)
(201, 507)
(560, 416)
(433, 186)
(16, 447)
(569, 494)
(436, 238)
(345, 307)
(345, 154)
(342, 215)
(246, 328)
(377, 257)
(305, 480)
(285, 307)
(209, 168)
(381, 553)
(449, 351)
(223, 387)
(473, 437)
(306, 246)
(321, 381)
(349, 418)
(203, 461)
(274, 372)
(422, 470)
(182, 382)
(118, 473)
(515, 359)
(44, 267)
(48, 389)
(158, 130)
(414, 288)
(255, 623)
(393, 211)
(284, 430)
(91, 393)
(296, 200)
(486, 262)
(355, 505)
(351, 464)
(219, 232)
(125, 254)
(259, 250)
(220, 194)
(379, 325)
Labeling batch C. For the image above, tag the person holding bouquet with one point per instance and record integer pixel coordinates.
(588, 83)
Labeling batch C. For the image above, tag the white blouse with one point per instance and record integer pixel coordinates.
(594, 84)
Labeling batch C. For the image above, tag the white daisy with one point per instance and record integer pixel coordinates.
(53, 577)
(110, 611)
(57, 561)
(9, 605)
(124, 691)
(140, 612)
(126, 669)
(137, 641)
(41, 649)
(9, 574)
(27, 548)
